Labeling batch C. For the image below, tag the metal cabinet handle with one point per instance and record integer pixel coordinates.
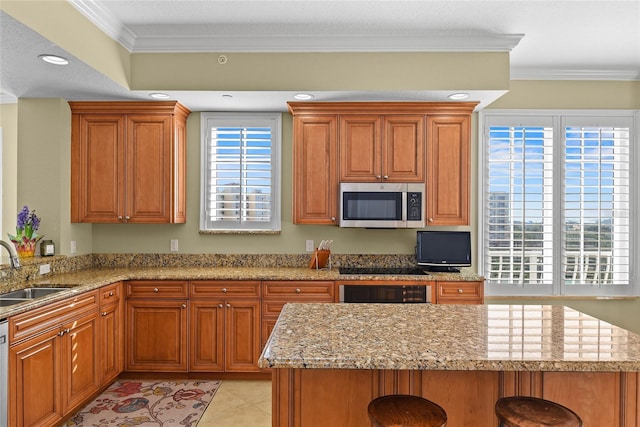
(386, 177)
(333, 218)
(156, 290)
(104, 313)
(378, 176)
(228, 305)
(184, 305)
(110, 294)
(220, 306)
(120, 217)
(298, 291)
(430, 219)
(224, 290)
(127, 218)
(460, 290)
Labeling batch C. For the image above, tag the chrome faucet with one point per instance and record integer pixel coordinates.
(13, 256)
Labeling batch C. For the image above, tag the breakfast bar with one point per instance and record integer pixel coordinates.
(330, 360)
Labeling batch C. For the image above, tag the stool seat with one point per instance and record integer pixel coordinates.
(400, 410)
(522, 411)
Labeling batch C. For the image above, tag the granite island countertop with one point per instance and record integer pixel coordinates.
(448, 337)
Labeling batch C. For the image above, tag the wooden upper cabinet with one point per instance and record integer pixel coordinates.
(337, 142)
(382, 148)
(448, 170)
(128, 162)
(315, 175)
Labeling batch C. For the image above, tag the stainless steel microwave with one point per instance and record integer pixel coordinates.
(382, 205)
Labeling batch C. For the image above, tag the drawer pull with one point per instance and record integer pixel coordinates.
(156, 290)
(220, 306)
(298, 290)
(104, 313)
(460, 290)
(111, 293)
(228, 305)
(224, 290)
(184, 305)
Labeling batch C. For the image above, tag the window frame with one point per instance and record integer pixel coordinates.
(242, 119)
(559, 120)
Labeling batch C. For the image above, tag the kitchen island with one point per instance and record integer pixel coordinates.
(330, 360)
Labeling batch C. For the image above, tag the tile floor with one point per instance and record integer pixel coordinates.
(239, 404)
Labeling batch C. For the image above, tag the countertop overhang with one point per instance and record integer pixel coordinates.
(448, 337)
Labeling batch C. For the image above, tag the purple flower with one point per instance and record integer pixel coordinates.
(23, 216)
(27, 223)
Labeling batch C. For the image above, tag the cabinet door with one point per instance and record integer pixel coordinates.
(97, 171)
(315, 175)
(156, 336)
(404, 145)
(242, 331)
(206, 336)
(111, 342)
(360, 148)
(148, 169)
(80, 361)
(448, 170)
(34, 381)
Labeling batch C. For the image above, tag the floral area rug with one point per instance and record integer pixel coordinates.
(128, 403)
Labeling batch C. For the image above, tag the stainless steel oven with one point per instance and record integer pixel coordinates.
(380, 293)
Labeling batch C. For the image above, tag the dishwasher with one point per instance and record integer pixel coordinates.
(4, 373)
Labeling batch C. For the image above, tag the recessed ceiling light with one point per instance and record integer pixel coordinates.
(54, 59)
(303, 96)
(159, 95)
(460, 95)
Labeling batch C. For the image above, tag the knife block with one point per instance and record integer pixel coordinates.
(320, 259)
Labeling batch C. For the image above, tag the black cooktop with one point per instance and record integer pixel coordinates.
(407, 271)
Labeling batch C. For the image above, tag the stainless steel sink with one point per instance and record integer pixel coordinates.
(6, 302)
(31, 293)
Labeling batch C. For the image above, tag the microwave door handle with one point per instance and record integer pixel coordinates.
(404, 206)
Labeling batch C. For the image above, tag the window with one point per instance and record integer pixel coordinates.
(240, 172)
(557, 204)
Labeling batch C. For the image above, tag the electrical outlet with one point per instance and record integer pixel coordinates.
(73, 247)
(174, 245)
(310, 246)
(45, 268)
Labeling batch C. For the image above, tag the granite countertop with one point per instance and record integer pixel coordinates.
(89, 279)
(447, 337)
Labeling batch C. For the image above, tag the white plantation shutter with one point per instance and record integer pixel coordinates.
(241, 172)
(557, 202)
(596, 209)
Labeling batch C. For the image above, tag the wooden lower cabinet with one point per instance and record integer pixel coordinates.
(225, 335)
(111, 325)
(459, 292)
(156, 335)
(54, 371)
(308, 398)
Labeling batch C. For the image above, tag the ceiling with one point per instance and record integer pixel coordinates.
(594, 40)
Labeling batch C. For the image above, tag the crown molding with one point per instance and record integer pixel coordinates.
(106, 21)
(552, 74)
(203, 41)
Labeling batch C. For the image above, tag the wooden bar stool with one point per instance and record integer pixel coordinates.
(521, 411)
(399, 410)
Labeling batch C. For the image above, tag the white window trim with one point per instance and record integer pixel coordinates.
(241, 118)
(557, 116)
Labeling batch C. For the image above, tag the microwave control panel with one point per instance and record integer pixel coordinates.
(414, 206)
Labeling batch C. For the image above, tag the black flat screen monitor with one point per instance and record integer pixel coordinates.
(443, 250)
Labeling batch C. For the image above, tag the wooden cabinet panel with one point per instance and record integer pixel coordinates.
(224, 289)
(128, 162)
(360, 148)
(448, 153)
(34, 381)
(207, 339)
(111, 341)
(315, 169)
(80, 361)
(242, 329)
(149, 156)
(97, 165)
(157, 289)
(156, 336)
(460, 292)
(404, 144)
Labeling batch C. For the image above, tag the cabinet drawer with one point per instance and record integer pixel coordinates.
(460, 292)
(299, 291)
(110, 294)
(157, 289)
(222, 288)
(51, 315)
